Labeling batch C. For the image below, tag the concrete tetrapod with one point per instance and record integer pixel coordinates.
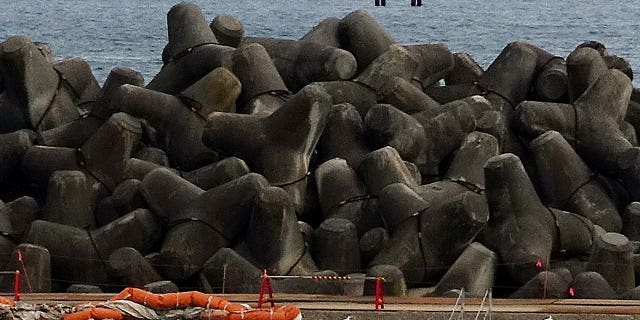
(403, 95)
(620, 63)
(584, 66)
(216, 91)
(117, 77)
(575, 234)
(406, 97)
(206, 177)
(565, 182)
(273, 236)
(131, 269)
(179, 74)
(435, 61)
(343, 136)
(508, 79)
(463, 216)
(383, 167)
(342, 193)
(102, 157)
(629, 133)
(6, 246)
(192, 51)
(372, 242)
(633, 111)
(394, 62)
(394, 283)
(187, 29)
(354, 93)
(152, 154)
(78, 77)
(69, 200)
(465, 171)
(465, 70)
(523, 230)
(7, 232)
(387, 126)
(325, 33)
(180, 120)
(551, 82)
(45, 49)
(280, 145)
(37, 264)
(609, 93)
(217, 173)
(592, 115)
(336, 246)
(13, 147)
(469, 159)
(631, 221)
(550, 79)
(105, 153)
(36, 93)
(21, 213)
(446, 94)
(136, 169)
(199, 222)
(228, 272)
(75, 133)
(611, 258)
(474, 271)
(263, 89)
(307, 233)
(507, 82)
(591, 285)
(159, 287)
(126, 197)
(445, 128)
(364, 37)
(414, 171)
(545, 285)
(415, 231)
(227, 29)
(400, 209)
(302, 62)
(80, 256)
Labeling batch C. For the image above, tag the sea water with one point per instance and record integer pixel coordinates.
(133, 33)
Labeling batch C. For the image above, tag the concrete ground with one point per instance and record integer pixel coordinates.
(318, 307)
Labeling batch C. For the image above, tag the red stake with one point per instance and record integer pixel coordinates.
(379, 302)
(544, 286)
(16, 286)
(265, 286)
(24, 270)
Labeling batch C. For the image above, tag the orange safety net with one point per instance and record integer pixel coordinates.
(6, 301)
(94, 313)
(233, 311)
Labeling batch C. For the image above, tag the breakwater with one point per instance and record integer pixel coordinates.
(336, 154)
